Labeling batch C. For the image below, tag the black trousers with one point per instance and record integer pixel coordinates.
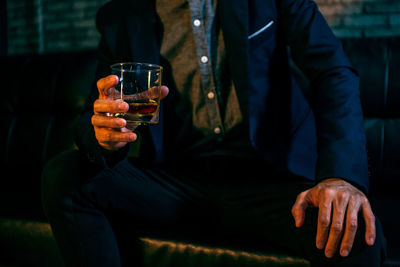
(97, 214)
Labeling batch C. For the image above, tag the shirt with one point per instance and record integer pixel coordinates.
(206, 118)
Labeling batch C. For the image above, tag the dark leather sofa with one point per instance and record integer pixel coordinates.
(41, 101)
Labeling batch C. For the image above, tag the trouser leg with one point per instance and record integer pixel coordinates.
(82, 231)
(86, 213)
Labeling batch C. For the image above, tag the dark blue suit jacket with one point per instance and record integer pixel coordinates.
(316, 133)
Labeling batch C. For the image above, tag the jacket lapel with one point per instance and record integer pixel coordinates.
(145, 47)
(234, 23)
(143, 40)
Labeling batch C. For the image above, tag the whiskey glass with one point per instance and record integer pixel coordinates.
(139, 85)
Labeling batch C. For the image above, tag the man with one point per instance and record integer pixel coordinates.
(237, 144)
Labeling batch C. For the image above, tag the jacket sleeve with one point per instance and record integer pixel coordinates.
(84, 134)
(341, 142)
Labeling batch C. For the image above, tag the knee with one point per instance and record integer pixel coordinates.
(59, 177)
(361, 253)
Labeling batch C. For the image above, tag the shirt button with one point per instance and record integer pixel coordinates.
(210, 95)
(204, 59)
(196, 23)
(217, 130)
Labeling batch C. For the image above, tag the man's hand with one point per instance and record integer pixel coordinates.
(112, 133)
(339, 203)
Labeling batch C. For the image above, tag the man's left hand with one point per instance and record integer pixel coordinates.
(339, 203)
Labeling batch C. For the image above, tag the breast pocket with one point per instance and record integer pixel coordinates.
(262, 33)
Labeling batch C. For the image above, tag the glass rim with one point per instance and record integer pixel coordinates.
(150, 65)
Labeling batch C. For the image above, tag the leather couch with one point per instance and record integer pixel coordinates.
(43, 96)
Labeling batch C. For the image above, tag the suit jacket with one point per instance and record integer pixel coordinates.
(313, 132)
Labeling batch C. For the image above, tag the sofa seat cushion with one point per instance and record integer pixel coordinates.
(31, 243)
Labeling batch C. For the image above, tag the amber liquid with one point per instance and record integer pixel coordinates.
(143, 111)
(142, 107)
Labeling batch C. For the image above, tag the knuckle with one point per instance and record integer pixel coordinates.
(353, 224)
(328, 192)
(324, 222)
(98, 136)
(342, 195)
(96, 105)
(355, 201)
(364, 200)
(337, 227)
(372, 218)
(107, 136)
(99, 83)
(302, 194)
(295, 210)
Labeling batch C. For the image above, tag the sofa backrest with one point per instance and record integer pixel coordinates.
(42, 96)
(378, 62)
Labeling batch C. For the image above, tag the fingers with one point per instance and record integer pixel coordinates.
(324, 217)
(299, 208)
(108, 122)
(106, 135)
(342, 201)
(110, 106)
(105, 85)
(370, 233)
(111, 132)
(336, 228)
(151, 93)
(351, 226)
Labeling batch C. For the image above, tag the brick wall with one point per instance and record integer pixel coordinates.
(62, 25)
(362, 18)
(51, 25)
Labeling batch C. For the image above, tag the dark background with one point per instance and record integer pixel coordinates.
(43, 26)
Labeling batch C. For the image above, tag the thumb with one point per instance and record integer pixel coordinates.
(106, 85)
(299, 208)
(164, 91)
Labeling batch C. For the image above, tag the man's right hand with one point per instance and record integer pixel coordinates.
(111, 132)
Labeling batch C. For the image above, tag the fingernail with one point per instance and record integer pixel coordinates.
(122, 106)
(371, 240)
(121, 122)
(329, 253)
(345, 252)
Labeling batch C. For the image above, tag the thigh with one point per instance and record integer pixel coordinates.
(155, 200)
(149, 198)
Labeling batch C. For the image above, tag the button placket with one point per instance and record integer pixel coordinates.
(207, 80)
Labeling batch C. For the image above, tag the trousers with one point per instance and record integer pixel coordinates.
(97, 214)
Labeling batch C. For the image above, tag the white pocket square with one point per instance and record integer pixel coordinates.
(260, 30)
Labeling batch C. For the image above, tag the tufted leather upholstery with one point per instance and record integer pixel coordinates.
(41, 98)
(378, 62)
(43, 95)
